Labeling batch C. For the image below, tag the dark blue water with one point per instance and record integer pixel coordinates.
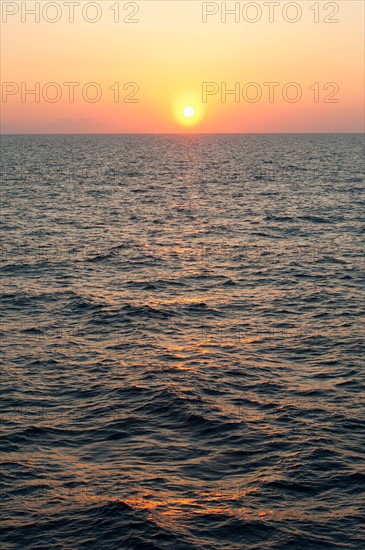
(182, 332)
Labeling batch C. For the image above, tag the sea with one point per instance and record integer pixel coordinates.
(182, 331)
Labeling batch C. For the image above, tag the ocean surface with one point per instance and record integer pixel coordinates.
(183, 342)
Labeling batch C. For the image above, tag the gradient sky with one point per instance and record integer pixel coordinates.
(169, 53)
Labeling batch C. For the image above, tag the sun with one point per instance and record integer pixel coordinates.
(188, 109)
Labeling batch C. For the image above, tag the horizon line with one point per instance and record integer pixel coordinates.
(173, 133)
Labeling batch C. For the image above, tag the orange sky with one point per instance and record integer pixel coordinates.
(168, 54)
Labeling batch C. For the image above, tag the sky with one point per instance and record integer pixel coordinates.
(182, 66)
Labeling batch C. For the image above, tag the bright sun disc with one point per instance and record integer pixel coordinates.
(188, 112)
(188, 109)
